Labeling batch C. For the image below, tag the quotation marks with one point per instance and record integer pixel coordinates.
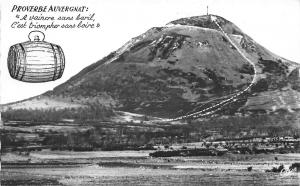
(44, 21)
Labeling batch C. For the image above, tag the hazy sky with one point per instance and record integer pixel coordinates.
(275, 24)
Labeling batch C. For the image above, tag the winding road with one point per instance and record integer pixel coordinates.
(212, 109)
(220, 105)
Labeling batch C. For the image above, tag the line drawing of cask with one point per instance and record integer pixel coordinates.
(36, 60)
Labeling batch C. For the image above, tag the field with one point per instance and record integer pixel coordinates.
(137, 168)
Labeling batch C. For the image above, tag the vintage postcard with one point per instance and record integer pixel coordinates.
(150, 92)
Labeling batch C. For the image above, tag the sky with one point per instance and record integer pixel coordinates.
(275, 24)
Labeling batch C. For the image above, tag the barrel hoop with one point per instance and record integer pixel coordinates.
(37, 73)
(18, 67)
(62, 62)
(39, 64)
(48, 68)
(55, 61)
(24, 68)
(40, 76)
(59, 56)
(35, 80)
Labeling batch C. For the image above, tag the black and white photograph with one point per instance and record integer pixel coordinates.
(150, 92)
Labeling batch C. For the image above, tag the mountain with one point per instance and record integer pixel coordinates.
(195, 79)
(196, 66)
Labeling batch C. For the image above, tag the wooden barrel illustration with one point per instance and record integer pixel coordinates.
(36, 60)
